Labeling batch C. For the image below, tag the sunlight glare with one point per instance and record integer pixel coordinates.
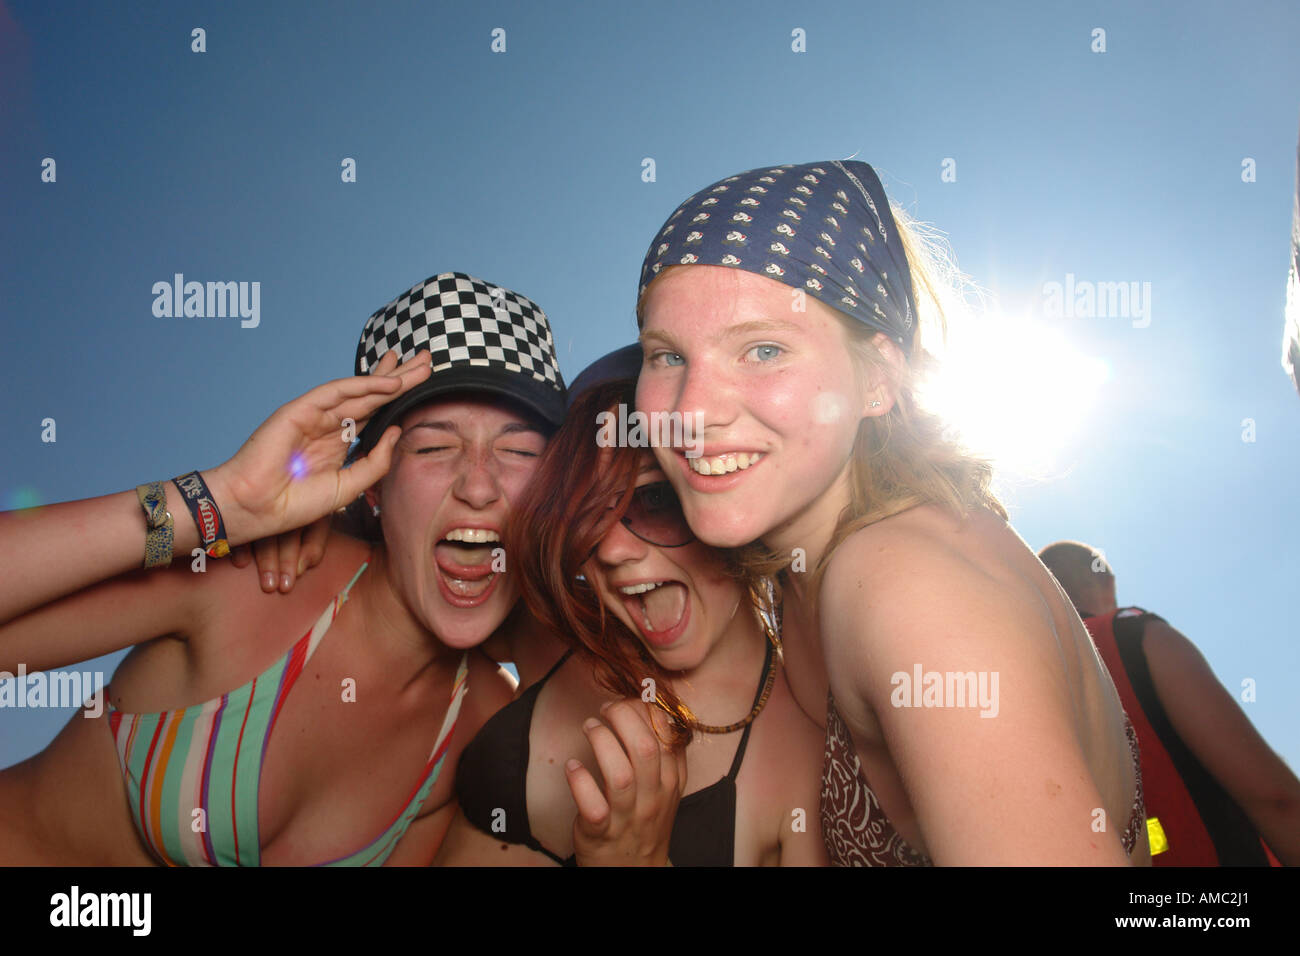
(1016, 391)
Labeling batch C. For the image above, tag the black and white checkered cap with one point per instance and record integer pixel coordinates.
(482, 337)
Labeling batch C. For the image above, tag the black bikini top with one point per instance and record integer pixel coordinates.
(492, 787)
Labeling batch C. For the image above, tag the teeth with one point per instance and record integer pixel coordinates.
(641, 588)
(722, 464)
(472, 535)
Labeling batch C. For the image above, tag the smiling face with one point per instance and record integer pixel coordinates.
(459, 466)
(679, 601)
(779, 399)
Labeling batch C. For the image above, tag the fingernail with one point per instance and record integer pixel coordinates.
(572, 765)
(268, 581)
(285, 581)
(606, 706)
(590, 724)
(302, 566)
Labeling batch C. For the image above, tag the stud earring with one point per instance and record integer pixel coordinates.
(375, 509)
(875, 404)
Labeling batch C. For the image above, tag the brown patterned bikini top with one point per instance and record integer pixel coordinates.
(856, 830)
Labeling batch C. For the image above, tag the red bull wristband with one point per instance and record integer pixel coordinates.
(207, 516)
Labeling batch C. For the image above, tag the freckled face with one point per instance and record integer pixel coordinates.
(457, 469)
(777, 393)
(679, 602)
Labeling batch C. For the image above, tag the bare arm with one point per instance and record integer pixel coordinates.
(62, 549)
(107, 617)
(1010, 788)
(1223, 739)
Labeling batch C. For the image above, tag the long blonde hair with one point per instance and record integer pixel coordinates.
(906, 457)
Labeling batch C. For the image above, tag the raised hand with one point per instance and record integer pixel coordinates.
(290, 472)
(286, 476)
(630, 821)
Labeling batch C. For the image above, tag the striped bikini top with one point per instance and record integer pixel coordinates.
(192, 774)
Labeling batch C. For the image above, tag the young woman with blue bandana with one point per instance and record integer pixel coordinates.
(968, 719)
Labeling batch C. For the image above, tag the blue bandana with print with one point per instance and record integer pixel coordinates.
(823, 227)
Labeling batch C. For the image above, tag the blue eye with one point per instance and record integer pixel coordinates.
(669, 358)
(765, 353)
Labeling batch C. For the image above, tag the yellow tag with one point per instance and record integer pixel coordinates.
(1156, 836)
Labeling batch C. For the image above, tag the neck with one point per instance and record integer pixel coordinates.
(389, 625)
(720, 689)
(1100, 603)
(805, 537)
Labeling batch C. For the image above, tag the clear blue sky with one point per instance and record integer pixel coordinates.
(525, 168)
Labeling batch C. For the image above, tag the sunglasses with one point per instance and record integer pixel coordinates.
(655, 516)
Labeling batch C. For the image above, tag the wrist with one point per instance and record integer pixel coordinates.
(203, 509)
(159, 524)
(241, 528)
(184, 537)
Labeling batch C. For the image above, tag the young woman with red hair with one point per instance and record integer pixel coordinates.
(605, 560)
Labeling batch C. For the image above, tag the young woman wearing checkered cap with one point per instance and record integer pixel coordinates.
(376, 646)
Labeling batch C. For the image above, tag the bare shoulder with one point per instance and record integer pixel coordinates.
(900, 546)
(921, 586)
(920, 561)
(239, 603)
(245, 628)
(929, 626)
(1176, 662)
(1162, 641)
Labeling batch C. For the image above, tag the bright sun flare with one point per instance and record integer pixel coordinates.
(1016, 391)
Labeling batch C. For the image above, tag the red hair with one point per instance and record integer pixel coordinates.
(577, 493)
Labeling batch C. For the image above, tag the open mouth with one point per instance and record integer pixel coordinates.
(659, 608)
(464, 564)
